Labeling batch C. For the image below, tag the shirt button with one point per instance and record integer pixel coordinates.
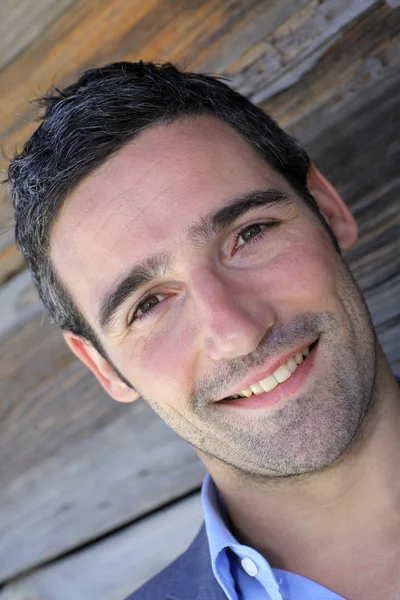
(249, 566)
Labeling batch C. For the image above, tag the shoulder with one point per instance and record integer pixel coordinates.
(156, 588)
(182, 573)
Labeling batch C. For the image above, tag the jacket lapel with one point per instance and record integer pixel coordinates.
(192, 577)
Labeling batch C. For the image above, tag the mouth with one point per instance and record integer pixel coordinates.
(282, 374)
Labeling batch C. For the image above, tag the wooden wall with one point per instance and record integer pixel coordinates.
(96, 496)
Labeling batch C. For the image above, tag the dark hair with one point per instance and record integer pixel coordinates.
(89, 121)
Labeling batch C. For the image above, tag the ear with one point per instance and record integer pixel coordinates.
(333, 208)
(106, 375)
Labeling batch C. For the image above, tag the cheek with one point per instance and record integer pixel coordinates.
(164, 363)
(305, 274)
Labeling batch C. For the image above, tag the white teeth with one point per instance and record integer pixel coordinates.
(281, 374)
(299, 358)
(247, 392)
(256, 388)
(269, 383)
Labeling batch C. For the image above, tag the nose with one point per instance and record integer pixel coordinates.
(231, 319)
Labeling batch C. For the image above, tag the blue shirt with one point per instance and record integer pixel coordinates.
(242, 572)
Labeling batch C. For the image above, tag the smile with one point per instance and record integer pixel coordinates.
(281, 374)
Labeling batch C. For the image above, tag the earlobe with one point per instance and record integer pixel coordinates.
(100, 368)
(333, 208)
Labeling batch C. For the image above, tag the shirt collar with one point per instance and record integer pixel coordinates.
(220, 539)
(218, 534)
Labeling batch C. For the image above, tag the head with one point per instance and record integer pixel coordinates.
(185, 244)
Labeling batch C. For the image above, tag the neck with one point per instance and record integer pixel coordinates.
(354, 503)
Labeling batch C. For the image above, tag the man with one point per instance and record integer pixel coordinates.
(191, 253)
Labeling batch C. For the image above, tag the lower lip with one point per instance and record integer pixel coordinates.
(282, 392)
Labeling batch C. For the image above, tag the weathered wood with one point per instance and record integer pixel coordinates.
(383, 303)
(118, 565)
(293, 49)
(11, 261)
(22, 22)
(30, 359)
(338, 85)
(19, 302)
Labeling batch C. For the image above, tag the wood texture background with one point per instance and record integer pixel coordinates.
(86, 483)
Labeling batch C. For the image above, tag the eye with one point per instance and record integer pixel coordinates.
(251, 233)
(146, 306)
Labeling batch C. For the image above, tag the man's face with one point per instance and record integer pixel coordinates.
(232, 297)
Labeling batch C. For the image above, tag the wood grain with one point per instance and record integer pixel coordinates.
(22, 22)
(118, 565)
(293, 49)
(19, 302)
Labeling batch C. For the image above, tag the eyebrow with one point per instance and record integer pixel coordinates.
(200, 232)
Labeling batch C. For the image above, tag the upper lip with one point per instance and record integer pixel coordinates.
(269, 370)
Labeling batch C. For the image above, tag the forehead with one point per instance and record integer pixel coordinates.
(139, 202)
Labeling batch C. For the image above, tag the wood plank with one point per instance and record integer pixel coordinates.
(11, 261)
(390, 339)
(375, 259)
(337, 85)
(22, 22)
(293, 49)
(383, 304)
(115, 567)
(19, 302)
(30, 358)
